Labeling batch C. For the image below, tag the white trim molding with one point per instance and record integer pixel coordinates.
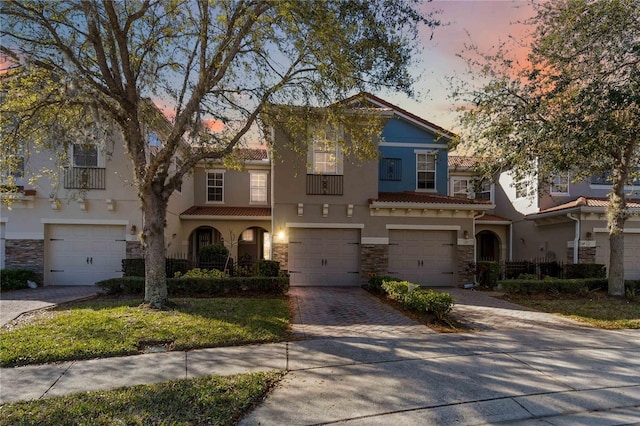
(374, 240)
(425, 227)
(325, 225)
(466, 242)
(625, 231)
(4, 219)
(84, 222)
(206, 217)
(414, 145)
(24, 236)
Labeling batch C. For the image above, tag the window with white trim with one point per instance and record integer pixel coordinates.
(560, 184)
(86, 155)
(258, 187)
(425, 171)
(215, 186)
(464, 187)
(325, 153)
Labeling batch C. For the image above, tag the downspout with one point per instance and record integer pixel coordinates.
(272, 189)
(511, 242)
(576, 238)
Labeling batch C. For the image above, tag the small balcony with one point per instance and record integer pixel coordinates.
(324, 184)
(84, 178)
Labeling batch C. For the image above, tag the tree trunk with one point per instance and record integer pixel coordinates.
(155, 286)
(616, 219)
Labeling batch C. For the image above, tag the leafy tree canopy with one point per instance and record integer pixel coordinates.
(573, 105)
(209, 64)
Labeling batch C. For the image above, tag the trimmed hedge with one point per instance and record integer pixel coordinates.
(584, 270)
(16, 279)
(413, 298)
(376, 281)
(572, 286)
(268, 268)
(203, 287)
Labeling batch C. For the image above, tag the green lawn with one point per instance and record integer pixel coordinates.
(106, 328)
(208, 400)
(610, 313)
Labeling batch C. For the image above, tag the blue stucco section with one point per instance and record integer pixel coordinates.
(400, 132)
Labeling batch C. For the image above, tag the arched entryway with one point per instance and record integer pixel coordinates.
(488, 246)
(253, 244)
(201, 237)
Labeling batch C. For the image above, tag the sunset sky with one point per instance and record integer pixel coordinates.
(483, 23)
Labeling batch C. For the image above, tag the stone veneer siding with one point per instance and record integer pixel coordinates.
(374, 260)
(585, 255)
(134, 249)
(25, 254)
(464, 260)
(280, 253)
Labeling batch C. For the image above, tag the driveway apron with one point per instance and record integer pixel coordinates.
(328, 312)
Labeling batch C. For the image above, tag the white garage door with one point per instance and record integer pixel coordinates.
(324, 257)
(84, 254)
(422, 257)
(631, 254)
(1, 245)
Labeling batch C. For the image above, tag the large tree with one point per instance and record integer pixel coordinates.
(216, 61)
(572, 105)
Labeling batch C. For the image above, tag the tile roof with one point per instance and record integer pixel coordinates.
(492, 218)
(227, 211)
(252, 154)
(423, 198)
(588, 202)
(462, 162)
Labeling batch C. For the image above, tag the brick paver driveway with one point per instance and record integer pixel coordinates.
(347, 312)
(351, 312)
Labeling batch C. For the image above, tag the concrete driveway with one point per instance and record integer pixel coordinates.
(15, 303)
(525, 367)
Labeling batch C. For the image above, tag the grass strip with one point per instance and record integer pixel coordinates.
(106, 328)
(210, 400)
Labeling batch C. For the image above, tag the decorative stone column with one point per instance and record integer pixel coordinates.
(586, 251)
(25, 254)
(134, 250)
(464, 260)
(374, 260)
(280, 253)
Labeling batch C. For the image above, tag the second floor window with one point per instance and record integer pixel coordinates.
(471, 188)
(325, 155)
(215, 187)
(85, 155)
(258, 188)
(560, 184)
(426, 171)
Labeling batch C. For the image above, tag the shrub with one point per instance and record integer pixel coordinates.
(213, 256)
(203, 287)
(570, 286)
(488, 273)
(268, 268)
(585, 270)
(243, 271)
(16, 279)
(413, 298)
(201, 273)
(174, 266)
(133, 267)
(376, 281)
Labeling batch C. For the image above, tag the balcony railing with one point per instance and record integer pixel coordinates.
(324, 184)
(84, 178)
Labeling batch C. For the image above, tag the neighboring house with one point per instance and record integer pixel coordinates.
(75, 225)
(567, 221)
(337, 220)
(493, 233)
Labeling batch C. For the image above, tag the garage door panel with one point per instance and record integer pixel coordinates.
(631, 253)
(424, 257)
(84, 254)
(324, 257)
